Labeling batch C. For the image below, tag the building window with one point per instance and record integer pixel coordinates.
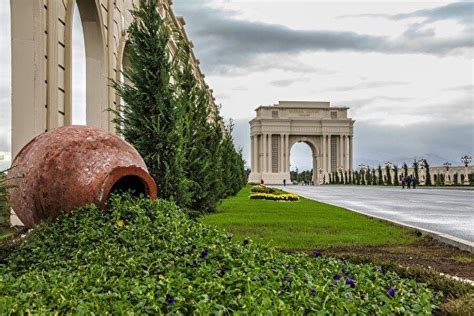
(275, 114)
(333, 115)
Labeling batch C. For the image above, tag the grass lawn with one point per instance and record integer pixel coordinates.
(303, 225)
(4, 235)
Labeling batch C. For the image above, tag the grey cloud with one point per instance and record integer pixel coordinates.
(368, 85)
(223, 41)
(285, 82)
(458, 11)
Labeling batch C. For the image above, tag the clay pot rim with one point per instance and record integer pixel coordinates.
(120, 172)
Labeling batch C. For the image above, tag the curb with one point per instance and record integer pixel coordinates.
(444, 238)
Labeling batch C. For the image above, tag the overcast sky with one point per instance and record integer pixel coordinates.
(404, 68)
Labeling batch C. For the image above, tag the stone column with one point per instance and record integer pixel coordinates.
(287, 151)
(347, 154)
(255, 154)
(351, 151)
(264, 153)
(269, 151)
(341, 151)
(252, 161)
(323, 162)
(282, 145)
(329, 154)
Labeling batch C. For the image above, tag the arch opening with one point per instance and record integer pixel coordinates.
(78, 70)
(303, 163)
(95, 78)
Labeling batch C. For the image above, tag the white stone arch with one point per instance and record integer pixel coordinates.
(328, 130)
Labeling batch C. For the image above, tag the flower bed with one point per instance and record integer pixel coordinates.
(261, 189)
(274, 197)
(147, 257)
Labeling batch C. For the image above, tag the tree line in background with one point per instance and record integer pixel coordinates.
(379, 176)
(168, 118)
(388, 175)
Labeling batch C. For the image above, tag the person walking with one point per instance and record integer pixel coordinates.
(409, 182)
(414, 180)
(403, 182)
(284, 182)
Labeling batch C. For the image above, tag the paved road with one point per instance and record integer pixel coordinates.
(449, 212)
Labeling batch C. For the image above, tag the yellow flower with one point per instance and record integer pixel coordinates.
(120, 223)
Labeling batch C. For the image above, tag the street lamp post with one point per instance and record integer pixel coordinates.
(466, 160)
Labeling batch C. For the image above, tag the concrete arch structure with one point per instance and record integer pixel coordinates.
(42, 61)
(327, 130)
(41, 35)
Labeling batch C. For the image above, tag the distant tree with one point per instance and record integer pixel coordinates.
(362, 177)
(389, 175)
(415, 168)
(350, 177)
(405, 169)
(380, 176)
(369, 176)
(337, 177)
(395, 176)
(346, 178)
(374, 177)
(428, 175)
(456, 179)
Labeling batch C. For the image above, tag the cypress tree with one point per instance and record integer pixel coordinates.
(415, 167)
(428, 175)
(151, 120)
(374, 177)
(389, 175)
(369, 176)
(395, 176)
(380, 177)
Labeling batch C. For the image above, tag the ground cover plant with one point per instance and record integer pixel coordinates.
(305, 225)
(144, 256)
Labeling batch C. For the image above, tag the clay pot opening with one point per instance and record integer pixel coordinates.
(133, 184)
(124, 179)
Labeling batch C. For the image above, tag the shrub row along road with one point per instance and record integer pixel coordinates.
(449, 212)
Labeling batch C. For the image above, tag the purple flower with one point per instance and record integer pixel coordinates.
(313, 292)
(316, 254)
(351, 282)
(287, 278)
(337, 277)
(392, 292)
(204, 254)
(169, 299)
(246, 242)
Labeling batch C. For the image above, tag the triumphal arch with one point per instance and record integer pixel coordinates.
(327, 130)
